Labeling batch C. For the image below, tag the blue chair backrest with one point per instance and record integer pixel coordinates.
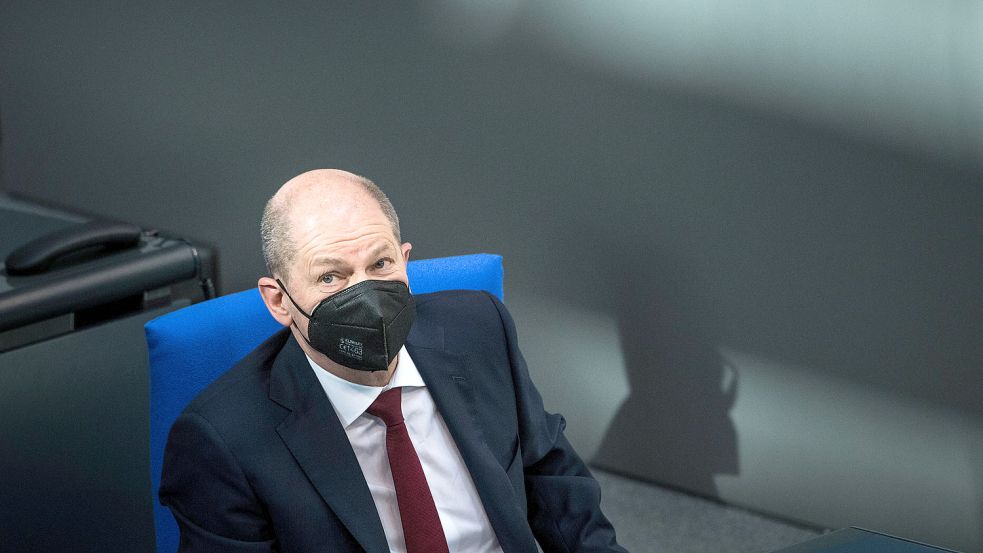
(191, 347)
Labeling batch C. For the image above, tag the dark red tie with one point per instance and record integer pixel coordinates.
(417, 512)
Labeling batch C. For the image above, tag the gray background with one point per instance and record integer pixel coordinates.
(725, 284)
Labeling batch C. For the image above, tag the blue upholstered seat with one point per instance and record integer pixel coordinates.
(191, 347)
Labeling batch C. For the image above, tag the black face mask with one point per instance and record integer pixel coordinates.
(362, 327)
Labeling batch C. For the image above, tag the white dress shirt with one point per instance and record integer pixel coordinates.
(461, 513)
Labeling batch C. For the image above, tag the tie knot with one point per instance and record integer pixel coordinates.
(388, 407)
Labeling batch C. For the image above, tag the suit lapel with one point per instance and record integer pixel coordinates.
(448, 378)
(318, 442)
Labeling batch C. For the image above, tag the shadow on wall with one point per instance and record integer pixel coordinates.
(976, 463)
(674, 426)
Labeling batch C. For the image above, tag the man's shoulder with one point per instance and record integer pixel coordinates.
(245, 384)
(463, 301)
(469, 320)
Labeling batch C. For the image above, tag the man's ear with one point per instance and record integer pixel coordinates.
(274, 299)
(405, 248)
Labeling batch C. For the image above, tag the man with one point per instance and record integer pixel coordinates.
(333, 436)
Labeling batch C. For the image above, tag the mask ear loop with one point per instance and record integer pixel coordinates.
(284, 289)
(299, 308)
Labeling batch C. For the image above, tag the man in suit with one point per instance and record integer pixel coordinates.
(375, 420)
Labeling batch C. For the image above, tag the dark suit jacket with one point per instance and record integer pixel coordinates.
(259, 461)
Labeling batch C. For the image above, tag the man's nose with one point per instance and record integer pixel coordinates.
(357, 277)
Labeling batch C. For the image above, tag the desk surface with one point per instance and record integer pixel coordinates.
(856, 540)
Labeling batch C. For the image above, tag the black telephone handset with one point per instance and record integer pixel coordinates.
(39, 254)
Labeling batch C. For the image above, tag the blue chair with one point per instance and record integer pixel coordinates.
(191, 347)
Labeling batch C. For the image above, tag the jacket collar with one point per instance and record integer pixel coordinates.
(449, 377)
(318, 441)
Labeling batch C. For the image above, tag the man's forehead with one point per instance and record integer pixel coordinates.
(347, 214)
(322, 227)
(312, 209)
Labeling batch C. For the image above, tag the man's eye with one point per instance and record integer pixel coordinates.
(381, 264)
(327, 279)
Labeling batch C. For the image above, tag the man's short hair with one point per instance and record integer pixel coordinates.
(278, 247)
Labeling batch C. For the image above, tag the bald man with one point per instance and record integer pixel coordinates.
(376, 420)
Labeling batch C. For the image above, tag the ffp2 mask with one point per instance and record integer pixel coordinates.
(363, 326)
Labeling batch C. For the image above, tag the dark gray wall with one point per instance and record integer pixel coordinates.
(687, 235)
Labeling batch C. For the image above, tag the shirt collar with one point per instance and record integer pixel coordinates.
(350, 400)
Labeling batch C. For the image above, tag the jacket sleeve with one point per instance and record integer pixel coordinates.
(209, 495)
(563, 497)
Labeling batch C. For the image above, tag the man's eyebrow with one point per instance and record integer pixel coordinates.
(329, 261)
(380, 249)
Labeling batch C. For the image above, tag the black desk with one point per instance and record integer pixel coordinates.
(74, 383)
(856, 540)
